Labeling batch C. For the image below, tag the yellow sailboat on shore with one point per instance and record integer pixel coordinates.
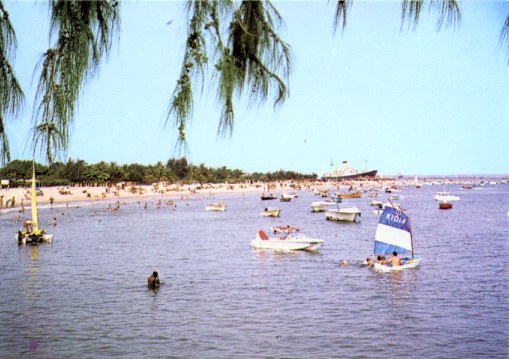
(30, 233)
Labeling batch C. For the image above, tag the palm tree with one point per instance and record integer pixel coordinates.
(49, 138)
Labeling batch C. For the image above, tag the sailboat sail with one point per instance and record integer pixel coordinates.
(393, 233)
(35, 220)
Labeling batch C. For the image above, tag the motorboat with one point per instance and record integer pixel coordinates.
(271, 212)
(287, 242)
(265, 197)
(351, 195)
(345, 214)
(381, 206)
(290, 195)
(217, 206)
(445, 196)
(372, 193)
(321, 206)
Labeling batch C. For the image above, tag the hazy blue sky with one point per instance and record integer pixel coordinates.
(412, 102)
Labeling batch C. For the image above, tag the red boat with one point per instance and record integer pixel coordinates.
(445, 205)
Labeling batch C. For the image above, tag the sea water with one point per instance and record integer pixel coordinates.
(85, 295)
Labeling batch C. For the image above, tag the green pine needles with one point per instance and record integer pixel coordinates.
(254, 59)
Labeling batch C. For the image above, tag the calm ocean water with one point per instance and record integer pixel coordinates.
(85, 295)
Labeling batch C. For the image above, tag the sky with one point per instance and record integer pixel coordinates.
(412, 102)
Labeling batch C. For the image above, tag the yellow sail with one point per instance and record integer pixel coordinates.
(35, 220)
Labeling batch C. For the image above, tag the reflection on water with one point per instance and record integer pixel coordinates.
(85, 295)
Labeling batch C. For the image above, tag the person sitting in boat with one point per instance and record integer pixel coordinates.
(382, 260)
(27, 225)
(153, 281)
(396, 261)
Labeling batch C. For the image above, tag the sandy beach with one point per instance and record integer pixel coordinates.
(70, 194)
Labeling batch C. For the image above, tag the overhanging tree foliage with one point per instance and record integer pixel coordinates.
(237, 43)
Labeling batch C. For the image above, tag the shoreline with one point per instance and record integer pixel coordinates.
(88, 194)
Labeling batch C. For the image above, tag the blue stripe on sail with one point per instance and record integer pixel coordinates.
(385, 248)
(395, 218)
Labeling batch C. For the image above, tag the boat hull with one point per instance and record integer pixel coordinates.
(351, 195)
(32, 239)
(283, 245)
(215, 207)
(446, 197)
(367, 174)
(271, 213)
(289, 243)
(445, 205)
(343, 215)
(408, 262)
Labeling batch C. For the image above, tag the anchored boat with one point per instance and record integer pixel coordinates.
(287, 242)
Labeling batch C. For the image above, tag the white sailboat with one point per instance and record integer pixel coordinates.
(445, 196)
(31, 232)
(394, 234)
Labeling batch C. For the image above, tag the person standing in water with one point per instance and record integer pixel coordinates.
(153, 281)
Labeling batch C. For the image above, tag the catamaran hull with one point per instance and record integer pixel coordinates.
(408, 262)
(45, 238)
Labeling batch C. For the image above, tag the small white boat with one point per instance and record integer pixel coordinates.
(271, 212)
(372, 193)
(289, 195)
(345, 214)
(288, 242)
(381, 207)
(445, 197)
(394, 235)
(321, 206)
(218, 206)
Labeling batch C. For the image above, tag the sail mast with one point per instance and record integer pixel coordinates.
(411, 237)
(35, 220)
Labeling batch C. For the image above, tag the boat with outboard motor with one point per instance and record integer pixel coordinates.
(217, 206)
(344, 214)
(271, 212)
(288, 242)
(445, 196)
